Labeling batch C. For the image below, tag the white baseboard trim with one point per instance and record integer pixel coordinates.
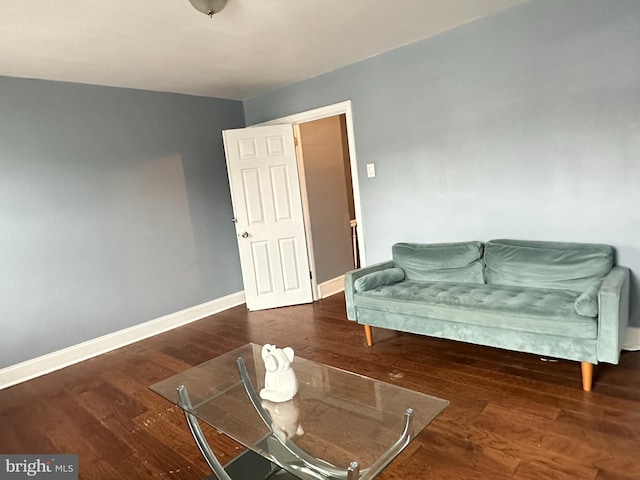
(632, 341)
(331, 287)
(83, 351)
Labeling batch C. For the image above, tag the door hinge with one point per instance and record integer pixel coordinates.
(310, 274)
(295, 141)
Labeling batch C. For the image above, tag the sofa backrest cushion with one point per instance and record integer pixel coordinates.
(567, 266)
(447, 262)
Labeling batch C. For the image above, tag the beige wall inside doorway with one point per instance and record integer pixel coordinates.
(327, 173)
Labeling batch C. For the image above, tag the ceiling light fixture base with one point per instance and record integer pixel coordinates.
(208, 7)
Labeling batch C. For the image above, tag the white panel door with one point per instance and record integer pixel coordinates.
(265, 190)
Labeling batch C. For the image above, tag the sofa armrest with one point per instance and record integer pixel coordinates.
(350, 279)
(613, 314)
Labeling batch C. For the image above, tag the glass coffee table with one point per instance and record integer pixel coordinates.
(339, 426)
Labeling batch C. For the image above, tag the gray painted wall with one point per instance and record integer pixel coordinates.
(524, 124)
(114, 210)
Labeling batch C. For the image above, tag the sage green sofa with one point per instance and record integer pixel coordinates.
(561, 300)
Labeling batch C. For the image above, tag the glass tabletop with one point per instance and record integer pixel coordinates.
(337, 416)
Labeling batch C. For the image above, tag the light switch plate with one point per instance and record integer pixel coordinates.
(371, 170)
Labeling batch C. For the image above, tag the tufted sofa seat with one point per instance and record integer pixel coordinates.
(564, 300)
(498, 306)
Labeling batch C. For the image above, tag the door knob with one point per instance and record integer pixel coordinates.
(244, 234)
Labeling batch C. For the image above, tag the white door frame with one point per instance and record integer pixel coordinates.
(317, 114)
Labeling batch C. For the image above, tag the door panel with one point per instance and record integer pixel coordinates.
(281, 188)
(289, 264)
(265, 191)
(254, 208)
(262, 267)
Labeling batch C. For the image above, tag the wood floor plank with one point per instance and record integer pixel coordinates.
(100, 470)
(9, 440)
(444, 450)
(572, 442)
(511, 416)
(607, 475)
(552, 469)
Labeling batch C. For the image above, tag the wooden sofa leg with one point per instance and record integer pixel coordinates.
(368, 334)
(587, 376)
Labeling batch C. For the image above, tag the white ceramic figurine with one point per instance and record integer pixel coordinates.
(280, 382)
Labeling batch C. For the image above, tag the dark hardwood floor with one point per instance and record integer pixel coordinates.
(511, 415)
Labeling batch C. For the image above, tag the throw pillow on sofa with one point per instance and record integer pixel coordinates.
(587, 303)
(377, 279)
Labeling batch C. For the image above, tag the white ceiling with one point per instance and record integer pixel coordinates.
(251, 47)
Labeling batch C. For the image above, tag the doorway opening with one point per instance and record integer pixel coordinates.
(325, 170)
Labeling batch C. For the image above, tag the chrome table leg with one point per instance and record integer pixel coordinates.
(198, 436)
